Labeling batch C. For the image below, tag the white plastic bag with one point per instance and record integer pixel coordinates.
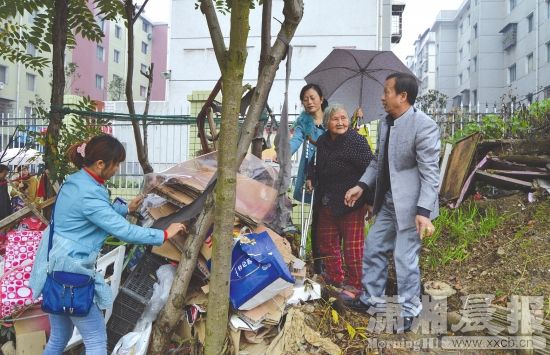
(134, 343)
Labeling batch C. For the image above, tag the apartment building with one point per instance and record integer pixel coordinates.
(20, 86)
(326, 25)
(97, 66)
(487, 50)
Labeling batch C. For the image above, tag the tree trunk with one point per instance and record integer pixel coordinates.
(149, 76)
(141, 151)
(59, 41)
(224, 213)
(171, 313)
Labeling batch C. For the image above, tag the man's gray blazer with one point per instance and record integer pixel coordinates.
(413, 152)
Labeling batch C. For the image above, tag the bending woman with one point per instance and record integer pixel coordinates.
(83, 218)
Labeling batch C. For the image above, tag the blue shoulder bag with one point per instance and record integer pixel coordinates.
(64, 292)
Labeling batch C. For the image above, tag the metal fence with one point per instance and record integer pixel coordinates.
(171, 143)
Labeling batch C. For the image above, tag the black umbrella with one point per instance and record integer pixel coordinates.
(355, 78)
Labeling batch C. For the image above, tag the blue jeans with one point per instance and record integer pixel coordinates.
(91, 327)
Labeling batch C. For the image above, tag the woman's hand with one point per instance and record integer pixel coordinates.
(309, 186)
(135, 203)
(175, 228)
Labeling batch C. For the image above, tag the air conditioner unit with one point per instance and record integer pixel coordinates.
(2, 85)
(149, 36)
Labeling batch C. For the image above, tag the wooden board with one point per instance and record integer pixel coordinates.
(504, 182)
(459, 166)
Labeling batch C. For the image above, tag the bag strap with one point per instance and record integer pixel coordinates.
(50, 240)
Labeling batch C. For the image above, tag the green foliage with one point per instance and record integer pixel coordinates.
(524, 123)
(75, 129)
(433, 99)
(224, 6)
(15, 35)
(117, 87)
(456, 231)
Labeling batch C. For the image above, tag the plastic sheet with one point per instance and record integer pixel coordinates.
(181, 184)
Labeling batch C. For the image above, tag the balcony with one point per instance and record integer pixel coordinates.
(397, 22)
(510, 32)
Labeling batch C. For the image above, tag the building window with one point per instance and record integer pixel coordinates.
(548, 52)
(512, 4)
(461, 28)
(548, 9)
(475, 30)
(31, 79)
(459, 79)
(511, 73)
(99, 52)
(142, 91)
(529, 62)
(530, 23)
(460, 54)
(116, 56)
(144, 47)
(31, 49)
(474, 97)
(101, 23)
(145, 26)
(99, 81)
(474, 64)
(118, 31)
(144, 68)
(4, 73)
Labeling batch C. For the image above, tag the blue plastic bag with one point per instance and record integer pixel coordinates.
(258, 271)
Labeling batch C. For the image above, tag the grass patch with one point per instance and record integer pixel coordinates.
(456, 230)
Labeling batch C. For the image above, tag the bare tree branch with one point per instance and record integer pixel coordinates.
(136, 16)
(266, 34)
(209, 11)
(293, 11)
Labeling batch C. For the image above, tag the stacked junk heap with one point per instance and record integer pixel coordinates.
(494, 168)
(267, 286)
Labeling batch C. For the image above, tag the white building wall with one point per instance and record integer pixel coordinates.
(326, 25)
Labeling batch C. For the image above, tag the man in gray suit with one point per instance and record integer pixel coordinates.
(405, 178)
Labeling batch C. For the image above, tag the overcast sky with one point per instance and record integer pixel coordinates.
(418, 16)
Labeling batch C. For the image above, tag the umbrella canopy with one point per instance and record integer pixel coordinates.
(21, 156)
(355, 78)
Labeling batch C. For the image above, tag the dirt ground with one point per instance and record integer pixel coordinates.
(512, 260)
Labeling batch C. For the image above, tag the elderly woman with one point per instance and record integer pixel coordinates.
(342, 157)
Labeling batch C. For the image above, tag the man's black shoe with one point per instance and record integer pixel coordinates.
(407, 324)
(356, 305)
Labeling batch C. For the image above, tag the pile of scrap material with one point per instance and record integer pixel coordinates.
(511, 165)
(266, 278)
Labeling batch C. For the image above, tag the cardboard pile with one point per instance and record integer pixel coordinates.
(265, 276)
